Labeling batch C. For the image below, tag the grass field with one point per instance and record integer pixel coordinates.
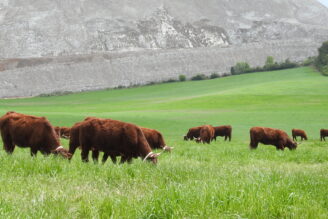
(221, 180)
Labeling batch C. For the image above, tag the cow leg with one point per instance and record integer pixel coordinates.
(125, 158)
(8, 144)
(230, 137)
(95, 156)
(34, 151)
(105, 157)
(113, 158)
(85, 153)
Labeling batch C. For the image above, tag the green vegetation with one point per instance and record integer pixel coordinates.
(322, 59)
(182, 78)
(270, 65)
(221, 180)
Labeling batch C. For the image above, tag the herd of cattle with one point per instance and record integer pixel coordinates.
(119, 139)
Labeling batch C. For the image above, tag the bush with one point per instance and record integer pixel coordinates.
(270, 65)
(170, 80)
(309, 61)
(240, 68)
(182, 77)
(214, 75)
(199, 77)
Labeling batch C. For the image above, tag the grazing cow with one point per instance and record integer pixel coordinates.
(193, 133)
(299, 132)
(155, 139)
(114, 138)
(270, 136)
(63, 132)
(206, 134)
(30, 131)
(224, 131)
(323, 134)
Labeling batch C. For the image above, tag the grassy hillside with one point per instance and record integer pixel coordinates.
(224, 179)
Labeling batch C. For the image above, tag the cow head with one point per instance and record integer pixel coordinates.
(151, 156)
(185, 138)
(292, 145)
(60, 150)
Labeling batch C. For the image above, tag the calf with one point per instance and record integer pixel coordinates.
(224, 131)
(30, 131)
(323, 134)
(299, 132)
(113, 137)
(270, 136)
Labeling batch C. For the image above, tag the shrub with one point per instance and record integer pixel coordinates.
(240, 68)
(214, 75)
(308, 61)
(170, 80)
(199, 77)
(182, 77)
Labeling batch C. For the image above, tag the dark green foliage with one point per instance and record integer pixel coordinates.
(182, 78)
(214, 75)
(170, 80)
(270, 65)
(309, 61)
(56, 93)
(199, 77)
(240, 68)
(322, 60)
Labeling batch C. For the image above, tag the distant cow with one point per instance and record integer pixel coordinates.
(206, 134)
(193, 133)
(112, 137)
(323, 134)
(299, 132)
(224, 131)
(30, 131)
(270, 136)
(63, 132)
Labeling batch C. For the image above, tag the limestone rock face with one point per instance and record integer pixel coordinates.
(35, 28)
(56, 45)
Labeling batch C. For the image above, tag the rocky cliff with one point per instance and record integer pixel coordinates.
(66, 32)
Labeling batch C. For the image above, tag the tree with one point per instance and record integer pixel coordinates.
(322, 59)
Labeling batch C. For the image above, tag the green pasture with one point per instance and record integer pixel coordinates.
(221, 180)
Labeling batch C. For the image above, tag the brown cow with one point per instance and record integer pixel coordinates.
(30, 131)
(193, 133)
(63, 132)
(113, 137)
(323, 134)
(224, 131)
(155, 139)
(270, 136)
(299, 132)
(206, 134)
